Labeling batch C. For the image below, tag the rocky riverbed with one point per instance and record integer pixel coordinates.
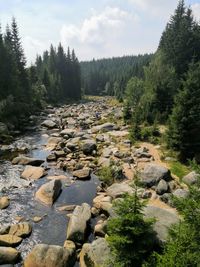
(53, 208)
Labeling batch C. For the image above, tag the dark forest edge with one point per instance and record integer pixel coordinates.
(54, 78)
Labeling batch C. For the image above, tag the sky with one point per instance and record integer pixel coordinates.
(94, 28)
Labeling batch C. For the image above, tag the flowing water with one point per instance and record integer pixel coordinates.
(52, 228)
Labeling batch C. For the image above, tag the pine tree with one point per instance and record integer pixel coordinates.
(184, 124)
(130, 235)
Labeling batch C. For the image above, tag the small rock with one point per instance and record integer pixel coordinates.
(191, 178)
(162, 187)
(82, 174)
(33, 173)
(181, 193)
(88, 147)
(8, 255)
(37, 219)
(67, 208)
(48, 124)
(21, 229)
(4, 202)
(49, 192)
(10, 240)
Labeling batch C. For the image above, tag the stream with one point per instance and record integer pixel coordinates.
(52, 228)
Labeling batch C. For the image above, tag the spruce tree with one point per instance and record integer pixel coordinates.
(184, 123)
(130, 235)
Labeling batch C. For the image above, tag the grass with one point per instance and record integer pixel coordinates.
(179, 169)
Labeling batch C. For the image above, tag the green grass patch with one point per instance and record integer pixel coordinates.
(179, 169)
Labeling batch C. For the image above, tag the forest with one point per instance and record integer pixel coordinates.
(122, 138)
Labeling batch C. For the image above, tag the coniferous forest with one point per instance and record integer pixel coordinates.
(100, 159)
(55, 77)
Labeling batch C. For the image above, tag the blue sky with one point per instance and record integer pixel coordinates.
(95, 29)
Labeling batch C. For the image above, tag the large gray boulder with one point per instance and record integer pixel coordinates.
(191, 178)
(22, 160)
(44, 255)
(77, 227)
(106, 127)
(49, 192)
(119, 189)
(88, 146)
(165, 218)
(95, 254)
(153, 173)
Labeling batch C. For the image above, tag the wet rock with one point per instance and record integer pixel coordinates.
(181, 193)
(88, 147)
(33, 173)
(48, 124)
(10, 240)
(162, 187)
(4, 202)
(95, 254)
(118, 189)
(50, 256)
(49, 192)
(21, 229)
(22, 160)
(77, 226)
(67, 208)
(82, 174)
(191, 178)
(164, 219)
(53, 142)
(8, 255)
(153, 173)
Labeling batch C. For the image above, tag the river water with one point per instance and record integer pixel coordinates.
(52, 228)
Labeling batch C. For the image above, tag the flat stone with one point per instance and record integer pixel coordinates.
(49, 192)
(10, 240)
(22, 160)
(119, 189)
(57, 177)
(82, 174)
(4, 202)
(44, 255)
(33, 173)
(21, 229)
(8, 255)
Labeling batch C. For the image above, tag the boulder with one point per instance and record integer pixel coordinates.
(165, 218)
(49, 192)
(82, 174)
(153, 173)
(10, 240)
(53, 142)
(48, 124)
(181, 193)
(33, 173)
(89, 146)
(44, 255)
(8, 255)
(106, 127)
(21, 229)
(4, 202)
(77, 226)
(22, 160)
(95, 254)
(69, 132)
(119, 189)
(191, 178)
(162, 187)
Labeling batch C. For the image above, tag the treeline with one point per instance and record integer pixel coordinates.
(169, 93)
(54, 78)
(110, 76)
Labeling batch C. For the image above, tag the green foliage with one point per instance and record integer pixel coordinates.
(130, 236)
(108, 175)
(179, 169)
(99, 76)
(184, 123)
(182, 248)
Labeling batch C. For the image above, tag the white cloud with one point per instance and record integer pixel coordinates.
(196, 10)
(158, 8)
(98, 32)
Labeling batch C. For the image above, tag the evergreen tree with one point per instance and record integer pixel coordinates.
(130, 235)
(184, 124)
